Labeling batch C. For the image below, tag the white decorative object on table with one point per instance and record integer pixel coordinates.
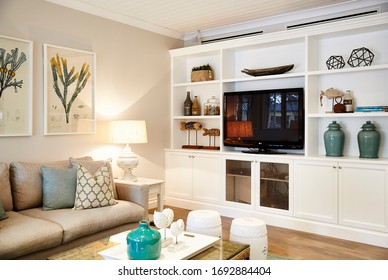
(162, 220)
(176, 229)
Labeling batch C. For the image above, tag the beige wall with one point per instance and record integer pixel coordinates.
(132, 82)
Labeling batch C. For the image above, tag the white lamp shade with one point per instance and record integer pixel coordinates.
(127, 132)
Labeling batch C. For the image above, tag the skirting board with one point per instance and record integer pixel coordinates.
(370, 237)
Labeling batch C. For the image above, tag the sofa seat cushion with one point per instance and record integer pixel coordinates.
(21, 235)
(79, 223)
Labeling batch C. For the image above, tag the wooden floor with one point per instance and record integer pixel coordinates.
(305, 246)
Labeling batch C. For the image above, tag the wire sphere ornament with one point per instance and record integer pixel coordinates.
(335, 62)
(361, 57)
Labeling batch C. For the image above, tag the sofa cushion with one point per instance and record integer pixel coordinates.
(3, 215)
(94, 190)
(58, 187)
(20, 235)
(93, 165)
(5, 187)
(26, 182)
(77, 224)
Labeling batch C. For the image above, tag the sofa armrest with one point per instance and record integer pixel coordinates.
(135, 193)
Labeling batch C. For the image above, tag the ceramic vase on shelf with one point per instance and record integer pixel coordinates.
(368, 141)
(334, 139)
(144, 243)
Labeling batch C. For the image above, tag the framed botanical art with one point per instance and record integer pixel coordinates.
(15, 87)
(69, 93)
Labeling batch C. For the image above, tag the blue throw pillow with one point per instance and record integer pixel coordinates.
(3, 215)
(59, 186)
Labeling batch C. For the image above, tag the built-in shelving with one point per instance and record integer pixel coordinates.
(348, 200)
(308, 51)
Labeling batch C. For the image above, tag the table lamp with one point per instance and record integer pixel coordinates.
(127, 132)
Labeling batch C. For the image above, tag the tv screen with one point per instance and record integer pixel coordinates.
(264, 120)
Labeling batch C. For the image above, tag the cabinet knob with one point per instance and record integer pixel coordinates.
(334, 167)
(339, 167)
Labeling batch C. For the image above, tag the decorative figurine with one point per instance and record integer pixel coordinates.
(163, 220)
(176, 229)
(336, 95)
(188, 126)
(361, 57)
(211, 132)
(335, 62)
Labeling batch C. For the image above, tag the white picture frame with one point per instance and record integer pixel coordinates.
(16, 87)
(69, 91)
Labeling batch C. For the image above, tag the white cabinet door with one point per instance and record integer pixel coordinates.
(179, 175)
(193, 176)
(206, 177)
(315, 190)
(363, 196)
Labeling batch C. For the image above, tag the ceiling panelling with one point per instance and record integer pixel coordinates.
(179, 17)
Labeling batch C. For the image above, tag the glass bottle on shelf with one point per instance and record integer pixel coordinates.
(196, 108)
(187, 105)
(348, 102)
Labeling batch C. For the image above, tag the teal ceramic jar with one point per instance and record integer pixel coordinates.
(144, 243)
(334, 139)
(368, 141)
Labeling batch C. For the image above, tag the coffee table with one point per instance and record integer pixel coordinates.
(221, 250)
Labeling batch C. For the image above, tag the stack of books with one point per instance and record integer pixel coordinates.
(372, 109)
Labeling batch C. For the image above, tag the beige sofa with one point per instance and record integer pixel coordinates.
(32, 228)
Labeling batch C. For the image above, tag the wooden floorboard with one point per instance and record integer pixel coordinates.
(300, 245)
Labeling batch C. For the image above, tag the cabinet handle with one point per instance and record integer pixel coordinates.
(334, 167)
(339, 167)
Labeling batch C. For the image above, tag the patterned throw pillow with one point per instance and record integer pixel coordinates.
(94, 190)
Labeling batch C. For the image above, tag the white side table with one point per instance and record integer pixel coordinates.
(154, 187)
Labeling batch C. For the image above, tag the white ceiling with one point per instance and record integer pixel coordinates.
(175, 18)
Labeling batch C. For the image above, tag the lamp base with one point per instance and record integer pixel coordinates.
(128, 176)
(127, 161)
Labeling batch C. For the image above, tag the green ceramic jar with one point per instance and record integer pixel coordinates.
(368, 141)
(144, 243)
(334, 139)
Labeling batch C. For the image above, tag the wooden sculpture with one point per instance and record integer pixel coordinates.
(189, 126)
(213, 132)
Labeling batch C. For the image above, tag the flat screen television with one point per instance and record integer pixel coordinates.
(264, 121)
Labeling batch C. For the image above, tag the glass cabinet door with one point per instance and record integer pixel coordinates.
(238, 181)
(274, 185)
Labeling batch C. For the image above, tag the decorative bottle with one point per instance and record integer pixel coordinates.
(368, 141)
(144, 243)
(334, 139)
(187, 105)
(348, 102)
(196, 109)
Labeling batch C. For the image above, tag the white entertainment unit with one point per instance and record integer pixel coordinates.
(344, 197)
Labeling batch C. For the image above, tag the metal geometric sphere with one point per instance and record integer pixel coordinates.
(335, 62)
(361, 57)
